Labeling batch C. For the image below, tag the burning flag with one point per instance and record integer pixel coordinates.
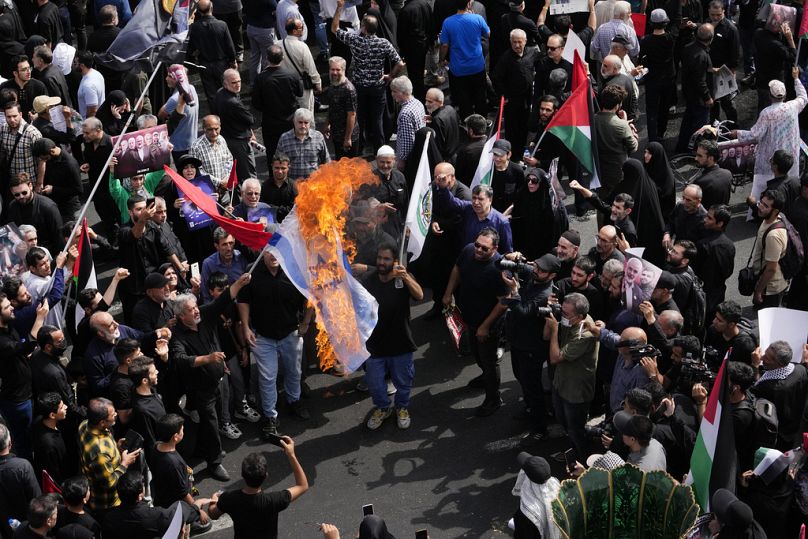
(309, 246)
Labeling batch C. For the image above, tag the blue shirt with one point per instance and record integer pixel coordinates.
(213, 263)
(624, 377)
(472, 225)
(185, 133)
(99, 360)
(463, 33)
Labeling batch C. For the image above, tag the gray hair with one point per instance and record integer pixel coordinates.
(518, 32)
(674, 318)
(339, 60)
(782, 352)
(251, 181)
(622, 9)
(93, 123)
(141, 120)
(437, 93)
(159, 202)
(612, 266)
(179, 303)
(5, 437)
(696, 189)
(579, 303)
(304, 114)
(219, 234)
(26, 229)
(401, 84)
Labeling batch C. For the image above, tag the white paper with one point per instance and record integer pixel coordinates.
(724, 83)
(780, 324)
(568, 6)
(573, 44)
(63, 58)
(636, 251)
(175, 527)
(58, 119)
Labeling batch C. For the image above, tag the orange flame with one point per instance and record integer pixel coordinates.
(322, 209)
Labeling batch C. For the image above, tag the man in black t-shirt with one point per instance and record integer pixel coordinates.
(147, 408)
(47, 442)
(725, 333)
(391, 344)
(481, 287)
(120, 386)
(254, 512)
(76, 493)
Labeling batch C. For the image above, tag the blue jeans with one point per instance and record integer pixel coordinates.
(370, 115)
(19, 417)
(402, 372)
(260, 41)
(319, 27)
(269, 354)
(572, 416)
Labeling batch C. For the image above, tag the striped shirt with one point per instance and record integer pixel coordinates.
(305, 155)
(101, 464)
(23, 158)
(216, 157)
(410, 120)
(369, 53)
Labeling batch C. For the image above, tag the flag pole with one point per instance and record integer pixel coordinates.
(501, 109)
(797, 56)
(109, 159)
(257, 260)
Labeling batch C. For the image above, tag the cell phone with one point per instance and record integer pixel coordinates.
(569, 458)
(132, 441)
(274, 439)
(149, 201)
(422, 534)
(367, 509)
(195, 270)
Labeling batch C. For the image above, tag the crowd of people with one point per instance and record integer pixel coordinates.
(213, 333)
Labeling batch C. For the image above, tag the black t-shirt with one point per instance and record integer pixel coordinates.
(506, 183)
(743, 344)
(481, 285)
(120, 391)
(255, 516)
(49, 451)
(170, 478)
(392, 335)
(274, 303)
(65, 517)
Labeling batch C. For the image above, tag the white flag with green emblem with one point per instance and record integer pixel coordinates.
(419, 212)
(485, 167)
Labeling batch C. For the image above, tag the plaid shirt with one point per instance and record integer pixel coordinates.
(305, 156)
(602, 40)
(23, 160)
(101, 464)
(369, 53)
(410, 120)
(216, 158)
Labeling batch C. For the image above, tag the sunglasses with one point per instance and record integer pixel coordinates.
(533, 180)
(22, 194)
(481, 247)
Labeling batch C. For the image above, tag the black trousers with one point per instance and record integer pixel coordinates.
(212, 78)
(468, 94)
(416, 63)
(517, 113)
(245, 158)
(207, 406)
(485, 354)
(233, 21)
(527, 366)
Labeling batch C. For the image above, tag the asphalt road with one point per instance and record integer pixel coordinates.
(450, 472)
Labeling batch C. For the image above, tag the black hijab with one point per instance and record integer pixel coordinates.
(112, 125)
(660, 172)
(647, 215)
(373, 527)
(387, 21)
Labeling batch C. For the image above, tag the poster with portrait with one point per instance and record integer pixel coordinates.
(263, 213)
(737, 157)
(12, 251)
(639, 280)
(558, 7)
(195, 217)
(142, 151)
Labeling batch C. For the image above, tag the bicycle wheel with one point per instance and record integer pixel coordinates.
(684, 169)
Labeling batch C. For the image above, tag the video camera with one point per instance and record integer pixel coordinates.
(695, 371)
(639, 351)
(553, 309)
(604, 428)
(520, 268)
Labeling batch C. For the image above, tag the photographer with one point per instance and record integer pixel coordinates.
(661, 330)
(725, 333)
(676, 438)
(681, 347)
(574, 352)
(528, 349)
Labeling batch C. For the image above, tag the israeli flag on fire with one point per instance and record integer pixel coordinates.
(419, 212)
(321, 272)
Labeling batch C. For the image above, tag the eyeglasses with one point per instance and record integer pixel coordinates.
(481, 247)
(533, 180)
(21, 194)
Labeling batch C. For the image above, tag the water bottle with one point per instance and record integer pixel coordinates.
(13, 523)
(399, 282)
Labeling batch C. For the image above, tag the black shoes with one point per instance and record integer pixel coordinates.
(219, 473)
(488, 408)
(476, 382)
(269, 428)
(299, 411)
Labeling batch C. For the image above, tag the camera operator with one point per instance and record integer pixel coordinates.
(741, 377)
(528, 349)
(681, 348)
(661, 330)
(784, 383)
(580, 280)
(481, 288)
(574, 352)
(725, 333)
(675, 436)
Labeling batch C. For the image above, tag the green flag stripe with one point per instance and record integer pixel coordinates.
(578, 142)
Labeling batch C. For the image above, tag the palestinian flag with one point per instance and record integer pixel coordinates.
(714, 461)
(485, 166)
(769, 464)
(573, 125)
(83, 268)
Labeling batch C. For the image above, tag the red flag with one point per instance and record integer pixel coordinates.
(578, 71)
(232, 181)
(250, 234)
(48, 484)
(501, 110)
(639, 20)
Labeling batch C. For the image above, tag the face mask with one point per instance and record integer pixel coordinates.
(60, 349)
(565, 322)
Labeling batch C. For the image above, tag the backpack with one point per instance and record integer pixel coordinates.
(766, 424)
(695, 311)
(793, 260)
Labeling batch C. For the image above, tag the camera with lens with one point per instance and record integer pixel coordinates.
(713, 358)
(519, 268)
(640, 351)
(553, 309)
(695, 371)
(604, 428)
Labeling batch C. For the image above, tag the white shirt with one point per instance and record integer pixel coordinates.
(91, 91)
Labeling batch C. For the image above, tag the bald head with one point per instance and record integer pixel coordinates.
(634, 334)
(611, 65)
(705, 32)
(205, 7)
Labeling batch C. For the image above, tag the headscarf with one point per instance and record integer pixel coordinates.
(387, 21)
(534, 502)
(33, 42)
(112, 125)
(660, 172)
(647, 215)
(374, 527)
(411, 167)
(533, 212)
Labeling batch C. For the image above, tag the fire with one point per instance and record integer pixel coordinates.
(322, 208)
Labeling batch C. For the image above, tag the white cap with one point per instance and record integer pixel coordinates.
(386, 151)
